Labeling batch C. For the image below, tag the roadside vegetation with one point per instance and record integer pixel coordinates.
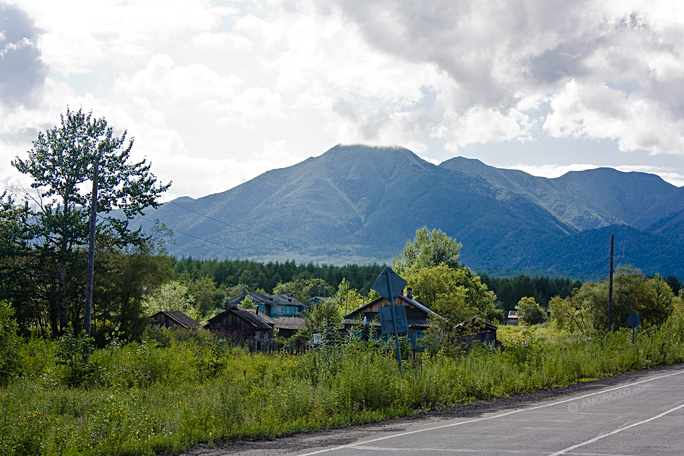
(174, 389)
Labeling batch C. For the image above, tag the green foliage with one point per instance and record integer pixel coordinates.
(73, 351)
(172, 295)
(324, 318)
(62, 163)
(146, 398)
(509, 291)
(304, 289)
(428, 249)
(248, 303)
(347, 298)
(529, 312)
(9, 343)
(652, 299)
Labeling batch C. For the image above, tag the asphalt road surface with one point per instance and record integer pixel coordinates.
(635, 414)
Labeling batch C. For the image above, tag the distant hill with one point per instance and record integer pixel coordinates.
(362, 204)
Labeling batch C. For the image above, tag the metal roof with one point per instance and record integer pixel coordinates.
(268, 299)
(412, 302)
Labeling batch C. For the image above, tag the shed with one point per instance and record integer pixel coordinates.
(476, 329)
(174, 319)
(288, 326)
(512, 319)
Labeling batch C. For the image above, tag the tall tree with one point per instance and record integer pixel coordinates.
(62, 162)
(428, 249)
(430, 265)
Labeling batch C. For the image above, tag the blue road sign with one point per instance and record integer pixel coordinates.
(633, 321)
(387, 324)
(382, 285)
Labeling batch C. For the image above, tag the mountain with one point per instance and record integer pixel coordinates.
(362, 204)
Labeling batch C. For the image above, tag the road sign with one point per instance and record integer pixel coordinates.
(387, 324)
(633, 321)
(389, 285)
(389, 279)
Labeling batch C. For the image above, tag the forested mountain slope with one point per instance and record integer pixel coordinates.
(362, 204)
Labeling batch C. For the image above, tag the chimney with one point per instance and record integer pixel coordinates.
(409, 293)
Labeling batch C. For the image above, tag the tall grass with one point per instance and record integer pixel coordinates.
(154, 397)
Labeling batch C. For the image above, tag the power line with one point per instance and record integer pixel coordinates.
(600, 263)
(235, 227)
(199, 238)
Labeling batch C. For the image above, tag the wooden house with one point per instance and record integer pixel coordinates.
(240, 324)
(174, 319)
(274, 306)
(367, 317)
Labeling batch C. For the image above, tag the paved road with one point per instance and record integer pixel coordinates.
(639, 416)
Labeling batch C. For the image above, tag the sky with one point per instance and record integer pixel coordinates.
(217, 92)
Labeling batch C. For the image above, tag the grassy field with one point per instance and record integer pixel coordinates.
(173, 391)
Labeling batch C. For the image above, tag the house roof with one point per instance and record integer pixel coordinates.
(179, 318)
(354, 316)
(412, 302)
(268, 320)
(268, 299)
(292, 323)
(245, 315)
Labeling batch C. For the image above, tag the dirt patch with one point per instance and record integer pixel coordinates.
(345, 435)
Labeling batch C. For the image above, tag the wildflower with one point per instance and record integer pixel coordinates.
(79, 423)
(85, 403)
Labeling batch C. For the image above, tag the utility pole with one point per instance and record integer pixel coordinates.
(90, 273)
(610, 286)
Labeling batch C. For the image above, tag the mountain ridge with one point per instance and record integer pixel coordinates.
(362, 204)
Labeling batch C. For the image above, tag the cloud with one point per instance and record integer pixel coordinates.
(22, 73)
(499, 54)
(634, 121)
(551, 171)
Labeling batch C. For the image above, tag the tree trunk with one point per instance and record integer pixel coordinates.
(63, 295)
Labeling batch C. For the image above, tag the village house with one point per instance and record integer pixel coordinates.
(274, 306)
(241, 324)
(173, 319)
(368, 318)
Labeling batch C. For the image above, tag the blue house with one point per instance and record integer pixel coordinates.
(274, 306)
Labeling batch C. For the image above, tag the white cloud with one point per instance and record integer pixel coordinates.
(551, 171)
(597, 111)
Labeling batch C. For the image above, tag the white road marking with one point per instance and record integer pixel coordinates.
(486, 418)
(608, 434)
